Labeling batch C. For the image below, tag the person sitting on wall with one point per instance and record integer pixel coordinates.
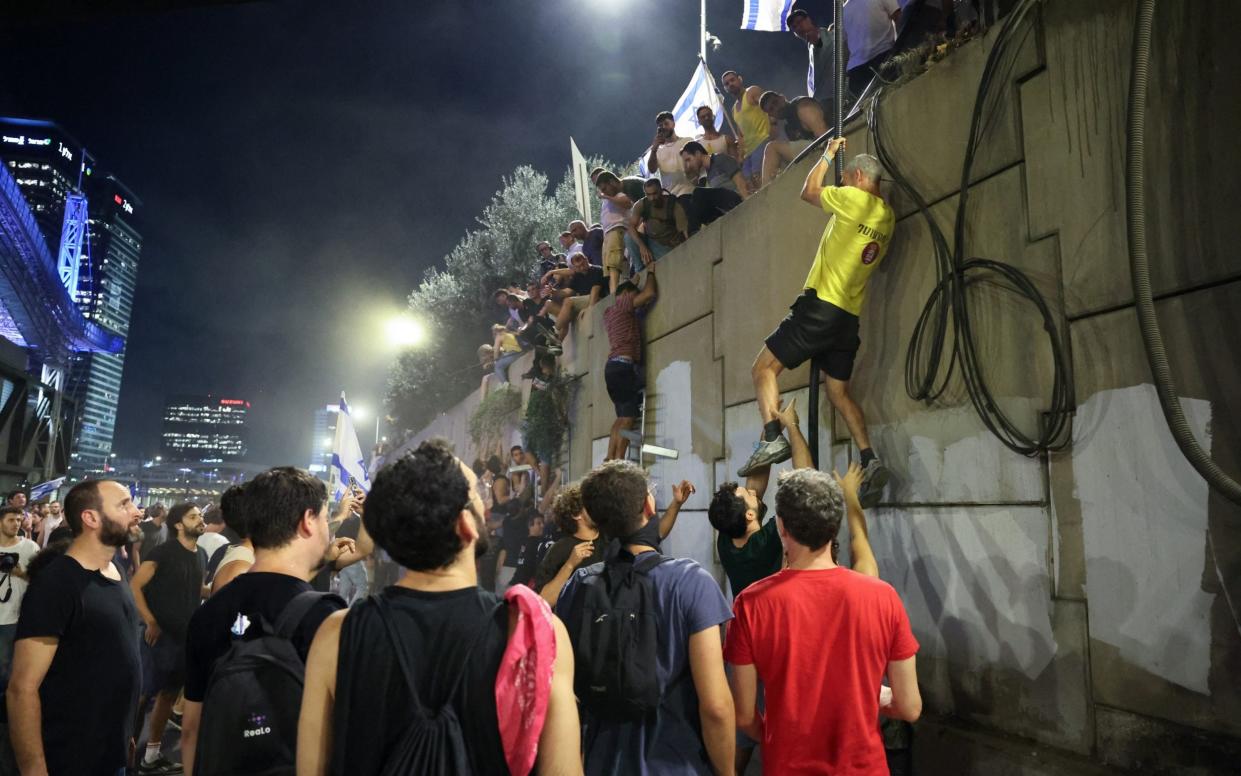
(823, 321)
(796, 124)
(662, 218)
(712, 139)
(720, 186)
(623, 371)
(586, 285)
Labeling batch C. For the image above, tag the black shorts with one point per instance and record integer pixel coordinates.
(816, 329)
(163, 665)
(624, 388)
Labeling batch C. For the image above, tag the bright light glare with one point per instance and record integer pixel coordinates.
(358, 412)
(405, 331)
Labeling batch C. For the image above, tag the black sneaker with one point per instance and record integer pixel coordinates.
(776, 451)
(874, 479)
(161, 766)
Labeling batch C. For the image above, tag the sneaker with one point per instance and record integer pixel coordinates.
(767, 454)
(161, 766)
(174, 721)
(874, 479)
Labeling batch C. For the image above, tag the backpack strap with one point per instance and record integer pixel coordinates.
(296, 610)
(385, 616)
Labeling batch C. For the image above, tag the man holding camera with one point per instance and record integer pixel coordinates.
(15, 554)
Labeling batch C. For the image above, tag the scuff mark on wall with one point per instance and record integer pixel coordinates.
(1144, 515)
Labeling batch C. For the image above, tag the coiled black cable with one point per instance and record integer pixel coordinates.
(931, 360)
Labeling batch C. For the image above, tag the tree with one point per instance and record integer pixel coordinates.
(456, 302)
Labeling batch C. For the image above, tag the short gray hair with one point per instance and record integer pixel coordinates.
(810, 504)
(866, 164)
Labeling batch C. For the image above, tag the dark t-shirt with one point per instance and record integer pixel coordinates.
(583, 282)
(793, 128)
(152, 535)
(559, 552)
(174, 592)
(227, 615)
(373, 705)
(90, 692)
(532, 551)
(516, 531)
(592, 246)
(762, 555)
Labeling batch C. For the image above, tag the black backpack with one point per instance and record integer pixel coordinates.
(615, 634)
(432, 743)
(249, 713)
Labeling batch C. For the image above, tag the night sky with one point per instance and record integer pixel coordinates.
(302, 163)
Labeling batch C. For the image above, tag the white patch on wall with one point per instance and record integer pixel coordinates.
(670, 423)
(598, 451)
(1144, 522)
(974, 581)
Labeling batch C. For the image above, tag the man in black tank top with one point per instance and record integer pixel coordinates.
(433, 640)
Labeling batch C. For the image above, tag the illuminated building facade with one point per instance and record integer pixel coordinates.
(325, 433)
(204, 429)
(49, 166)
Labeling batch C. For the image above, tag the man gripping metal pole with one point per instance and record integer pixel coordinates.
(822, 324)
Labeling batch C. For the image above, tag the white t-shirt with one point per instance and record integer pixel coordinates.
(612, 215)
(869, 29)
(25, 549)
(212, 541)
(714, 145)
(49, 524)
(576, 247)
(671, 171)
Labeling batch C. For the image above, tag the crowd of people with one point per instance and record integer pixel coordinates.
(491, 618)
(591, 652)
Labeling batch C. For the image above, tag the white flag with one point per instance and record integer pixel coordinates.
(766, 15)
(701, 91)
(347, 460)
(581, 182)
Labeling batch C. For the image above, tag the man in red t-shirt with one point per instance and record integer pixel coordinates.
(820, 638)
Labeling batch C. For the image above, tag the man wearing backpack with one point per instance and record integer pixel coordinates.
(435, 675)
(639, 611)
(286, 520)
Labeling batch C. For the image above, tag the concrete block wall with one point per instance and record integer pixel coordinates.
(1078, 612)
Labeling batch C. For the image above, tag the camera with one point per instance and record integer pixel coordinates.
(8, 562)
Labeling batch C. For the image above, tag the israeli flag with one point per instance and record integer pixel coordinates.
(347, 459)
(766, 15)
(701, 91)
(44, 489)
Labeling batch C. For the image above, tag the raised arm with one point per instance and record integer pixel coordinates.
(680, 494)
(579, 553)
(861, 556)
(816, 179)
(649, 290)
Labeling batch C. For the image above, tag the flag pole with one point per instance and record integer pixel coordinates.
(702, 31)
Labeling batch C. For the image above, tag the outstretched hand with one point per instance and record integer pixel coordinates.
(682, 492)
(850, 482)
(787, 415)
(337, 548)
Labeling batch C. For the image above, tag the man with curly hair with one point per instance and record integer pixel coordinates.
(454, 640)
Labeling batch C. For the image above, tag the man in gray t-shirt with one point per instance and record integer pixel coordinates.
(720, 186)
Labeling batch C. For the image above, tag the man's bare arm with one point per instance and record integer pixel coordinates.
(906, 698)
(314, 725)
(861, 556)
(744, 685)
(560, 743)
(715, 702)
(31, 659)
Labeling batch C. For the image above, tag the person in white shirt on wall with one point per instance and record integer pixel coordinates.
(15, 555)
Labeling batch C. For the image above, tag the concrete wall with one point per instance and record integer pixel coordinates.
(1077, 612)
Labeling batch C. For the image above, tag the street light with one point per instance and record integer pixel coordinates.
(405, 331)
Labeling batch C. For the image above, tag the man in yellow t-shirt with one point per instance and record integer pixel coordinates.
(823, 322)
(750, 122)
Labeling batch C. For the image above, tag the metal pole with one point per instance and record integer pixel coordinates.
(702, 31)
(838, 82)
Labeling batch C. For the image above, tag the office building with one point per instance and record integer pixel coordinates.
(204, 429)
(49, 166)
(321, 447)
